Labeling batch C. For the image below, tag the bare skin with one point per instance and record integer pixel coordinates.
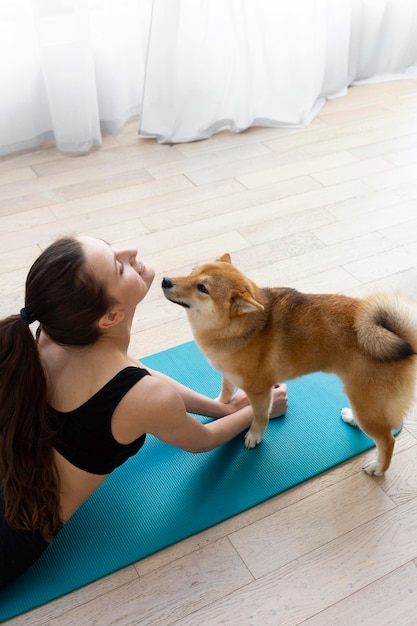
(156, 404)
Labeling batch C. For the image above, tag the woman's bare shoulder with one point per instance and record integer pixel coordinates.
(148, 402)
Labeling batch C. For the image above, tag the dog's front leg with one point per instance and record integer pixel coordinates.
(261, 406)
(227, 391)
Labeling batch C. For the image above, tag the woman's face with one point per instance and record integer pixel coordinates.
(127, 279)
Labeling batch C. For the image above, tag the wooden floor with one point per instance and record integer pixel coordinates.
(332, 207)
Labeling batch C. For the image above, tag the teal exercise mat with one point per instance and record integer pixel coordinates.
(163, 495)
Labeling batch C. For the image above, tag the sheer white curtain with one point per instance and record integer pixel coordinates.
(239, 63)
(383, 43)
(71, 68)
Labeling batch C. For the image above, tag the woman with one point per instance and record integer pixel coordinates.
(74, 405)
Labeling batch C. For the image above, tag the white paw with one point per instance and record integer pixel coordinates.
(252, 440)
(348, 417)
(371, 468)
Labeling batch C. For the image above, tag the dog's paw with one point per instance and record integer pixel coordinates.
(252, 440)
(348, 417)
(371, 468)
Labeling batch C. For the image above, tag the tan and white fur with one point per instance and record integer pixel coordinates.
(257, 337)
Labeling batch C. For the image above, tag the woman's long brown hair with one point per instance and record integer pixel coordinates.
(67, 302)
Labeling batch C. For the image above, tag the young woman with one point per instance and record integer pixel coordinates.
(74, 405)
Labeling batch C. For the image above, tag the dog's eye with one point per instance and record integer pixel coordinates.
(202, 288)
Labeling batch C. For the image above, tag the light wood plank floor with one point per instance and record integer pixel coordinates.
(328, 208)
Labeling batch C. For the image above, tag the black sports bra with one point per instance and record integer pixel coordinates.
(86, 439)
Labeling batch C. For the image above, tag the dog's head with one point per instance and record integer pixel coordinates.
(213, 293)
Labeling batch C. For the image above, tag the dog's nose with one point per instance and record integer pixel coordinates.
(167, 283)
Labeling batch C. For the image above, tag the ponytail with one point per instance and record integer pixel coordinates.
(28, 475)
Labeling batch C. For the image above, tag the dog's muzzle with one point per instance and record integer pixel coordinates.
(166, 285)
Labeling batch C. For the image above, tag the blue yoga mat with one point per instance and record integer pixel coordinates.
(163, 495)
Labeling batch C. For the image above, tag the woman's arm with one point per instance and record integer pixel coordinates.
(203, 405)
(155, 407)
(199, 403)
(195, 402)
(167, 419)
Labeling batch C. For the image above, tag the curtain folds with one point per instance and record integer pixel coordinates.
(246, 63)
(69, 69)
(242, 63)
(72, 68)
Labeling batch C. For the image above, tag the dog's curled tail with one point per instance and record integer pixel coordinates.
(386, 326)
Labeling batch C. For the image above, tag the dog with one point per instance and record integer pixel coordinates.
(257, 337)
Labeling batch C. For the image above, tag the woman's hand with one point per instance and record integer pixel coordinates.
(279, 401)
(239, 401)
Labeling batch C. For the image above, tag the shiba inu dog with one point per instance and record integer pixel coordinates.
(257, 337)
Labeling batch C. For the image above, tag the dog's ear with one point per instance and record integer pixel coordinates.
(243, 302)
(225, 258)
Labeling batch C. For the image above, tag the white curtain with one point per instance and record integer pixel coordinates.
(241, 63)
(71, 68)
